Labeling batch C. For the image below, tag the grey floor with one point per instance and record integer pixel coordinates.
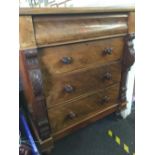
(93, 139)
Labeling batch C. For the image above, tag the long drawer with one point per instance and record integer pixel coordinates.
(74, 84)
(62, 29)
(63, 116)
(70, 57)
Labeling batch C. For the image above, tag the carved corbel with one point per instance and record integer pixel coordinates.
(127, 61)
(35, 84)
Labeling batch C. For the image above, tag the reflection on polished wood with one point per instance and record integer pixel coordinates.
(79, 56)
(74, 64)
(75, 28)
(83, 81)
(76, 10)
(82, 108)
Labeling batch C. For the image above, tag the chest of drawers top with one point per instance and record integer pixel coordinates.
(50, 27)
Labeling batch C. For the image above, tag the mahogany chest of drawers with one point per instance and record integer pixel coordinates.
(74, 65)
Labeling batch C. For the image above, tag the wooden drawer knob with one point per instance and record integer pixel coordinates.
(108, 51)
(71, 115)
(67, 60)
(107, 76)
(68, 88)
(105, 99)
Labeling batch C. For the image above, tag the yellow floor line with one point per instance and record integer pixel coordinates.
(117, 139)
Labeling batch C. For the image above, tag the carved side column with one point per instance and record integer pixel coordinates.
(34, 92)
(127, 62)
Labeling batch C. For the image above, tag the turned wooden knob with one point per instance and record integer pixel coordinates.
(67, 60)
(108, 51)
(68, 88)
(107, 76)
(71, 115)
(105, 99)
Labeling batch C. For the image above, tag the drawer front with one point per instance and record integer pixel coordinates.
(71, 85)
(75, 56)
(64, 116)
(74, 28)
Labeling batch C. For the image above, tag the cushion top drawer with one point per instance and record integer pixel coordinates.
(66, 58)
(62, 29)
(74, 84)
(63, 116)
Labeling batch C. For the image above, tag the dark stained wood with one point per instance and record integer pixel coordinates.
(53, 29)
(82, 82)
(71, 113)
(33, 82)
(80, 10)
(44, 145)
(26, 83)
(81, 54)
(128, 60)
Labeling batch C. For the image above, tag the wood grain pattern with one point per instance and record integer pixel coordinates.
(66, 73)
(62, 116)
(33, 85)
(82, 81)
(26, 32)
(54, 29)
(77, 10)
(87, 120)
(82, 54)
(28, 92)
(131, 22)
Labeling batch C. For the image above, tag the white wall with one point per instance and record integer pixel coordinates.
(93, 3)
(80, 3)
